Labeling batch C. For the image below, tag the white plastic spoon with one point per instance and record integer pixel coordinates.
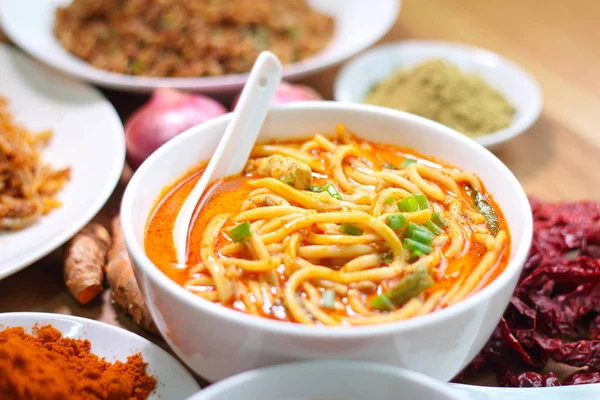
(234, 148)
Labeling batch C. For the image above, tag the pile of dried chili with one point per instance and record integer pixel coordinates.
(554, 313)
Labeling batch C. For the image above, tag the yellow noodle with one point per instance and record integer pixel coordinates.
(324, 143)
(406, 311)
(319, 315)
(429, 190)
(314, 163)
(437, 175)
(340, 153)
(317, 238)
(340, 217)
(488, 260)
(209, 258)
(471, 179)
(268, 213)
(362, 262)
(399, 181)
(356, 303)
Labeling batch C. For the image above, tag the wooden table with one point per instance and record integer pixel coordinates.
(557, 159)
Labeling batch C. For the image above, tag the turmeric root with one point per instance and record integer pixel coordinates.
(85, 257)
(125, 290)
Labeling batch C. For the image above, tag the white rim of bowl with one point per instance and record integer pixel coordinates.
(489, 140)
(295, 368)
(280, 327)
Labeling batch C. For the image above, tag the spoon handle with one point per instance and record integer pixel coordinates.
(235, 147)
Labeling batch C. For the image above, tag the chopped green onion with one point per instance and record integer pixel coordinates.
(294, 32)
(437, 219)
(407, 162)
(288, 180)
(396, 221)
(260, 35)
(332, 191)
(240, 232)
(316, 188)
(415, 255)
(413, 245)
(387, 165)
(382, 303)
(422, 201)
(408, 204)
(349, 229)
(328, 299)
(433, 228)
(390, 200)
(405, 289)
(422, 236)
(388, 257)
(412, 227)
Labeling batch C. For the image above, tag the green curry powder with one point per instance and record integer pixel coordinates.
(439, 91)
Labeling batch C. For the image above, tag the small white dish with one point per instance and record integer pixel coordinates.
(173, 380)
(331, 380)
(356, 78)
(218, 342)
(88, 137)
(359, 24)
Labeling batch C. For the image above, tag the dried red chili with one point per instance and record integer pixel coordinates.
(555, 310)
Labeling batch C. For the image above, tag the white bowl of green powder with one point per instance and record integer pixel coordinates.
(474, 91)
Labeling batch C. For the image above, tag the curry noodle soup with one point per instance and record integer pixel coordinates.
(335, 232)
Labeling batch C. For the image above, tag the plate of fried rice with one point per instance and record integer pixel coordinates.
(62, 151)
(201, 45)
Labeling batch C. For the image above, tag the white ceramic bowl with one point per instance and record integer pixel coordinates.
(359, 24)
(330, 380)
(356, 78)
(218, 342)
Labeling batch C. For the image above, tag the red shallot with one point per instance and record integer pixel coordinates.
(168, 113)
(287, 93)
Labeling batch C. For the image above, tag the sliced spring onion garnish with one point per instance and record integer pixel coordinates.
(390, 200)
(287, 180)
(407, 162)
(387, 165)
(415, 255)
(413, 245)
(422, 236)
(396, 221)
(412, 227)
(422, 201)
(316, 188)
(405, 289)
(382, 303)
(408, 204)
(433, 228)
(328, 299)
(388, 257)
(240, 232)
(332, 191)
(437, 219)
(349, 229)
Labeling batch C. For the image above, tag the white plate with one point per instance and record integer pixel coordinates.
(521, 89)
(331, 380)
(359, 24)
(173, 380)
(88, 137)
